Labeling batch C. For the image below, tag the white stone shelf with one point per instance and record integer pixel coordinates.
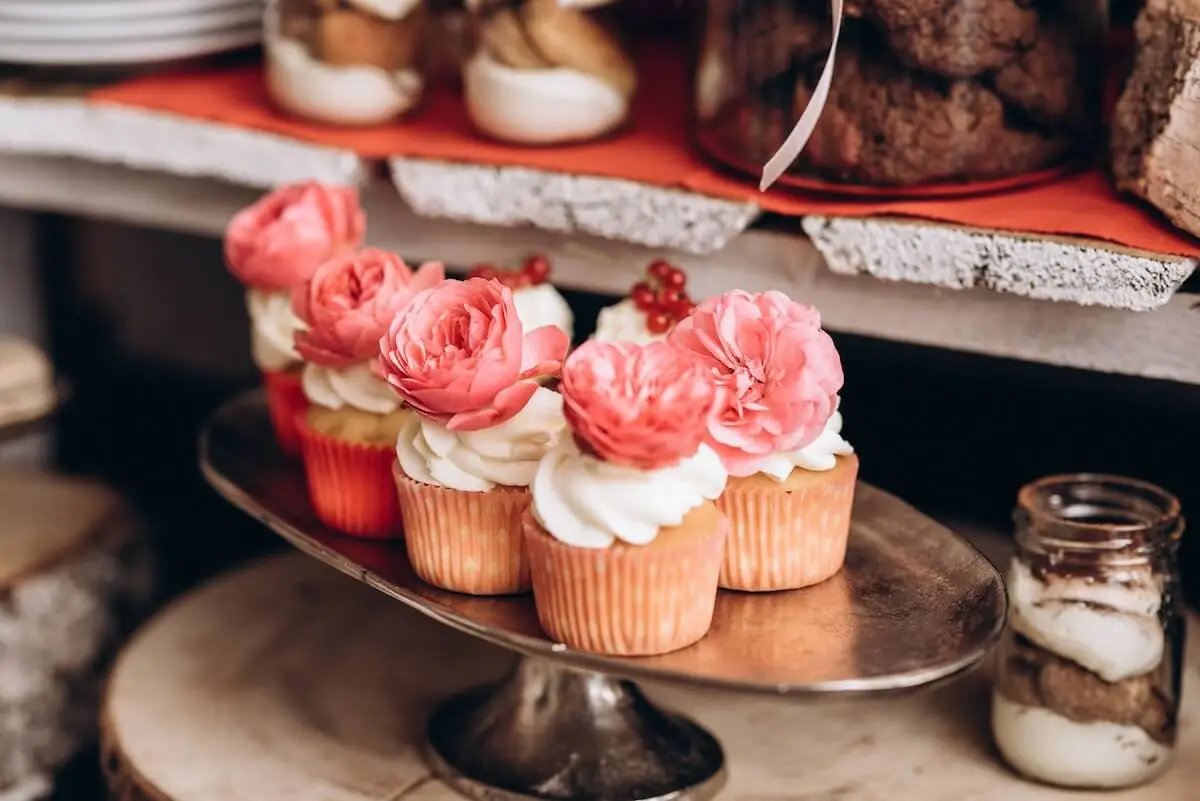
(1160, 344)
(1085, 272)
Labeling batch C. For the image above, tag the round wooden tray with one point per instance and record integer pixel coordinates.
(285, 680)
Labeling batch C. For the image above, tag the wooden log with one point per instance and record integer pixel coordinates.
(1156, 126)
(286, 680)
(74, 571)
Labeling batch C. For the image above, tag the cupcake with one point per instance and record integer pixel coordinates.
(348, 433)
(458, 355)
(272, 247)
(655, 304)
(538, 303)
(625, 544)
(792, 476)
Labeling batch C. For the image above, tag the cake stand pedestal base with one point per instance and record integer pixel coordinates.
(546, 732)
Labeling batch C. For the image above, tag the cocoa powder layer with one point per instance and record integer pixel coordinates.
(1033, 676)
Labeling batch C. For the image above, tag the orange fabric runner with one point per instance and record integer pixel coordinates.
(653, 149)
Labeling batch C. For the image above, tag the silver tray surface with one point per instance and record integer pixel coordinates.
(915, 604)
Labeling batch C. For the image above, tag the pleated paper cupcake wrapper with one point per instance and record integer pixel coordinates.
(468, 542)
(285, 401)
(350, 484)
(626, 601)
(781, 540)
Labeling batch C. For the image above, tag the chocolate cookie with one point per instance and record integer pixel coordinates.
(886, 125)
(1047, 81)
(774, 36)
(953, 38)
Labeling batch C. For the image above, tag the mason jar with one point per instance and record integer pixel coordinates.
(544, 72)
(923, 92)
(346, 62)
(1087, 684)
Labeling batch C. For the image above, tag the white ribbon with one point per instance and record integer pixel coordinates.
(789, 151)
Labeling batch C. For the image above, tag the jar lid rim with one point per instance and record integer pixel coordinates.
(1171, 508)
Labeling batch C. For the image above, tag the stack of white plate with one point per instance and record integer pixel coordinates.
(87, 32)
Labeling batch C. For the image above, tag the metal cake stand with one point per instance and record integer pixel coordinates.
(914, 606)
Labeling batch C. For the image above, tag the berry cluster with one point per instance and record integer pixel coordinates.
(662, 296)
(535, 270)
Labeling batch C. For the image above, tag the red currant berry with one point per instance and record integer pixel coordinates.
(643, 296)
(519, 280)
(676, 279)
(485, 271)
(537, 268)
(658, 322)
(668, 297)
(659, 270)
(683, 307)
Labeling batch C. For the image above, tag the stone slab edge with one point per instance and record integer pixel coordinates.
(606, 207)
(948, 256)
(150, 140)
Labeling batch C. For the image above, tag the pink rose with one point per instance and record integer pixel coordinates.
(457, 354)
(280, 241)
(645, 406)
(350, 301)
(782, 372)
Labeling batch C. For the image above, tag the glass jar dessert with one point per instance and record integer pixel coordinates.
(923, 92)
(546, 72)
(346, 62)
(1088, 680)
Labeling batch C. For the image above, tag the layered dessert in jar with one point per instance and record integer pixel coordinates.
(922, 92)
(346, 62)
(545, 72)
(1087, 688)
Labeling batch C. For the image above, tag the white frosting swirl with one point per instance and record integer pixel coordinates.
(624, 322)
(387, 9)
(354, 386)
(273, 326)
(587, 503)
(542, 305)
(819, 455)
(476, 461)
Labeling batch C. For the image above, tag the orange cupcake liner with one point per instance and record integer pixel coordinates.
(625, 600)
(350, 484)
(468, 542)
(285, 400)
(785, 540)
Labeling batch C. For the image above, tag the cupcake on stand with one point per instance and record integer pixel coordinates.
(625, 544)
(459, 356)
(272, 247)
(655, 304)
(348, 434)
(792, 476)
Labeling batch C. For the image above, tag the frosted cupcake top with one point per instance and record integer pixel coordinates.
(780, 371)
(634, 460)
(655, 304)
(346, 307)
(537, 302)
(458, 354)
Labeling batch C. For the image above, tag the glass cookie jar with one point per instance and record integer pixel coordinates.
(1087, 685)
(346, 62)
(546, 72)
(923, 92)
